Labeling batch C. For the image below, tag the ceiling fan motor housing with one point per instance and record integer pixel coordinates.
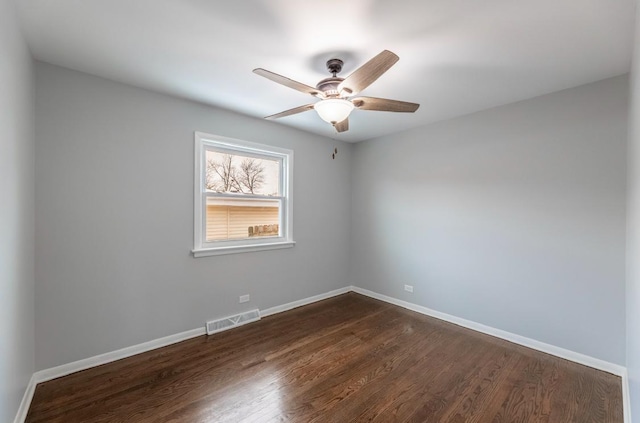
(330, 85)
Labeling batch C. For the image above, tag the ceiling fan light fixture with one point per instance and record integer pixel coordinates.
(334, 107)
(334, 110)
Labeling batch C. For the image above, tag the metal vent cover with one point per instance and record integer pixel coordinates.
(219, 325)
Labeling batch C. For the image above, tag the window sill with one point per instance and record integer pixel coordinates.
(218, 251)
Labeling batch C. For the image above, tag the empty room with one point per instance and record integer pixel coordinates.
(320, 211)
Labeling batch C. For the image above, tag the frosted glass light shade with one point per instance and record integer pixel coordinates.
(333, 110)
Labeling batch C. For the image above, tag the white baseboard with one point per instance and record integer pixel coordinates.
(76, 366)
(21, 416)
(305, 301)
(626, 397)
(87, 363)
(498, 333)
(520, 340)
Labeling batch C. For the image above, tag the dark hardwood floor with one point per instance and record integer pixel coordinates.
(346, 359)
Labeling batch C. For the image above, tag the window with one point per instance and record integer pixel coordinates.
(242, 196)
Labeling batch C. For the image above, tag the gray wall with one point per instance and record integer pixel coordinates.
(16, 214)
(512, 217)
(114, 218)
(633, 225)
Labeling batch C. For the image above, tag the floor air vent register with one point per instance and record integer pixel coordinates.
(215, 326)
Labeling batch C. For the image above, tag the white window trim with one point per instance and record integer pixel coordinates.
(202, 248)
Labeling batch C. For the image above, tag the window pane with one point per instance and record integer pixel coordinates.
(235, 173)
(241, 218)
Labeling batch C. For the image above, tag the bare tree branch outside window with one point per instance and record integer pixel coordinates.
(221, 174)
(251, 175)
(224, 175)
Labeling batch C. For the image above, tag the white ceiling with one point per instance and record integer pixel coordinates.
(456, 56)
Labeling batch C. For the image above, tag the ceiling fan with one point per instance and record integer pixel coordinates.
(336, 93)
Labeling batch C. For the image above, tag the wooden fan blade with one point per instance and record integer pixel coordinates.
(342, 126)
(287, 82)
(384, 105)
(366, 74)
(290, 112)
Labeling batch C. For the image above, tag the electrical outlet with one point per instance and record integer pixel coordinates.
(408, 288)
(244, 298)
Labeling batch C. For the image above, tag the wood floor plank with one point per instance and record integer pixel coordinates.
(397, 398)
(470, 406)
(346, 359)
